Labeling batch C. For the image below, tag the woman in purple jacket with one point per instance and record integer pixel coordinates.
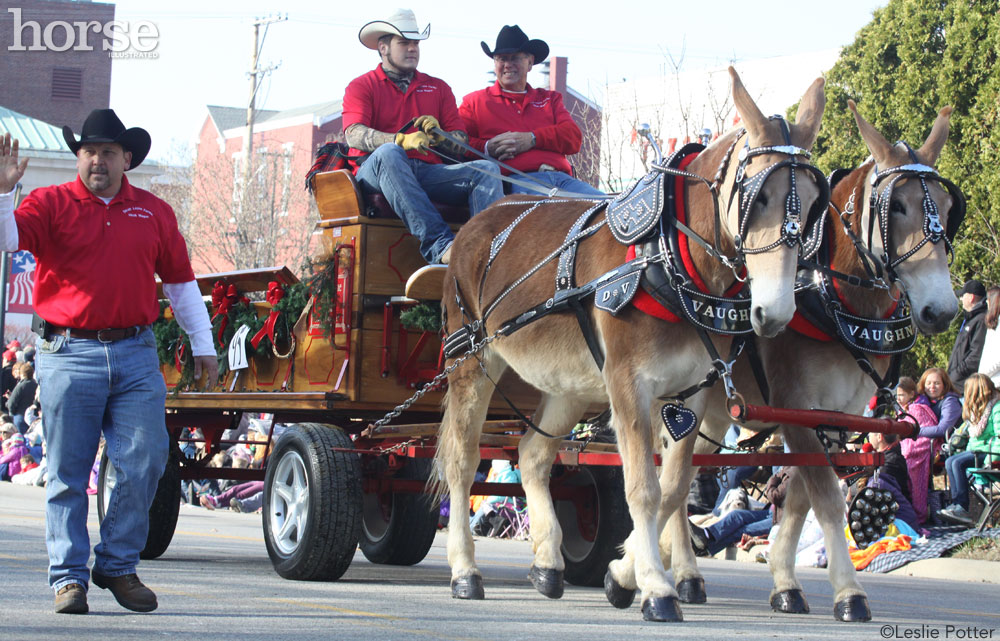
(936, 390)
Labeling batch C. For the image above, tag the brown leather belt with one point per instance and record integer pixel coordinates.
(104, 335)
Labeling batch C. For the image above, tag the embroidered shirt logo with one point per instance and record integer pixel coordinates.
(426, 89)
(137, 212)
(539, 104)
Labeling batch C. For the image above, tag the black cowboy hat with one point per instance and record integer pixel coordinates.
(512, 40)
(103, 125)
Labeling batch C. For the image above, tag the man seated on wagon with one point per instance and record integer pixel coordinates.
(399, 164)
(525, 127)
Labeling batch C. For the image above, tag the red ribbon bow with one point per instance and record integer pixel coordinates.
(275, 292)
(223, 303)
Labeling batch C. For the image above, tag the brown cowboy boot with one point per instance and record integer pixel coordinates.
(128, 591)
(71, 599)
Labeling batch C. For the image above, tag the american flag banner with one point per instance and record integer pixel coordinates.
(21, 283)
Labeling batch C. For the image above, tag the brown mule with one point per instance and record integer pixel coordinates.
(645, 358)
(807, 373)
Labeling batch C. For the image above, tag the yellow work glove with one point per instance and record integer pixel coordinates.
(426, 124)
(416, 141)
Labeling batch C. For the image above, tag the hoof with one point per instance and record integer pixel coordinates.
(692, 590)
(662, 608)
(548, 582)
(790, 602)
(853, 608)
(468, 587)
(618, 596)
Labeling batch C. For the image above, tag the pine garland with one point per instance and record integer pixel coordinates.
(425, 317)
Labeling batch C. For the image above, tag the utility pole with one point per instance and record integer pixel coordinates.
(256, 75)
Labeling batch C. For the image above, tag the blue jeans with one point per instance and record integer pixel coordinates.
(734, 525)
(19, 423)
(556, 179)
(89, 388)
(410, 185)
(955, 465)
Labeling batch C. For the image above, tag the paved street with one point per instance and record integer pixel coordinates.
(216, 582)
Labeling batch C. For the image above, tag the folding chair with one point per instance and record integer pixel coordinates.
(984, 483)
(516, 513)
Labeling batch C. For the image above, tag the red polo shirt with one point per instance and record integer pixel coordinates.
(95, 262)
(375, 101)
(492, 111)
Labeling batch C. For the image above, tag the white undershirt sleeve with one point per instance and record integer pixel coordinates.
(191, 315)
(8, 226)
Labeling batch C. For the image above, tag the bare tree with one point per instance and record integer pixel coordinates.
(264, 223)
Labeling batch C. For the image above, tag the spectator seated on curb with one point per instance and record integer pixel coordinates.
(501, 471)
(224, 499)
(37, 474)
(730, 529)
(892, 475)
(249, 504)
(10, 459)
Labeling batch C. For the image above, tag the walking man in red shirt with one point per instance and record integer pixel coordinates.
(377, 108)
(527, 128)
(98, 242)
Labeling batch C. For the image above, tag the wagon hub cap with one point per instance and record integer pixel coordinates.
(289, 503)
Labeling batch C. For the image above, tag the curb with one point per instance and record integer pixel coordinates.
(968, 570)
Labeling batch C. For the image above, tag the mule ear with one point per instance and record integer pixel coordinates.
(877, 144)
(810, 114)
(752, 117)
(935, 140)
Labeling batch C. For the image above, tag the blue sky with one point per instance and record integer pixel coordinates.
(204, 47)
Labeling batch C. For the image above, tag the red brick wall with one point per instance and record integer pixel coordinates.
(26, 76)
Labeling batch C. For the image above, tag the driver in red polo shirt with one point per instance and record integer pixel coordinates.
(527, 128)
(98, 241)
(399, 164)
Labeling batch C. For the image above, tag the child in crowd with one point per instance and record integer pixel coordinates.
(917, 451)
(983, 414)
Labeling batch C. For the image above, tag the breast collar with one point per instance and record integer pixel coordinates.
(672, 289)
(822, 314)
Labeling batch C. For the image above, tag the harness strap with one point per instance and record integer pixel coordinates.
(587, 328)
(521, 415)
(757, 367)
(566, 267)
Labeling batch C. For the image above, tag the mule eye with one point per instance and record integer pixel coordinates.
(896, 207)
(762, 199)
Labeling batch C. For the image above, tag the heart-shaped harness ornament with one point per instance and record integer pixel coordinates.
(679, 420)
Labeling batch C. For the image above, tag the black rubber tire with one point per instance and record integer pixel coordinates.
(589, 546)
(324, 542)
(162, 513)
(399, 529)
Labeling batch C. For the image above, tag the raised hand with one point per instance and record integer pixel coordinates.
(11, 168)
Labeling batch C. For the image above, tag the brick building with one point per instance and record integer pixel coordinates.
(276, 225)
(59, 87)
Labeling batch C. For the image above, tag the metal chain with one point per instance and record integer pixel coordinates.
(405, 405)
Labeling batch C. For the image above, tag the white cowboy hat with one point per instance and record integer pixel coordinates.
(402, 23)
